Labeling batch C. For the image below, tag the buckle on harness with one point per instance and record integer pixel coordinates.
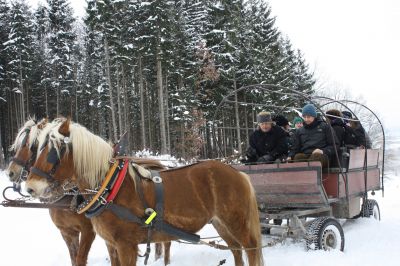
(151, 213)
(157, 179)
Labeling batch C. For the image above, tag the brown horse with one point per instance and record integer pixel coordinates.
(206, 192)
(76, 229)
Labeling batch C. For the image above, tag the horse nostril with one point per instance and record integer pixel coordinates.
(30, 191)
(11, 174)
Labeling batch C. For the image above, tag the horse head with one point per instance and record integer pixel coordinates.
(69, 154)
(24, 148)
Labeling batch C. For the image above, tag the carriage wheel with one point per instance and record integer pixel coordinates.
(325, 233)
(370, 208)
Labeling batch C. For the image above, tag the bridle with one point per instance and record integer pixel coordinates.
(52, 158)
(25, 164)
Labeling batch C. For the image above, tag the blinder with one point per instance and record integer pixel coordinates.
(23, 143)
(52, 158)
(25, 139)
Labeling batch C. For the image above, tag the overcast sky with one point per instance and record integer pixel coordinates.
(354, 43)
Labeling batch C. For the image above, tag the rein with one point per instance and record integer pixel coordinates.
(23, 202)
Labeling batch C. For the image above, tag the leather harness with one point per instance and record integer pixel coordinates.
(153, 218)
(103, 199)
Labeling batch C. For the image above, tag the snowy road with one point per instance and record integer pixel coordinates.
(28, 237)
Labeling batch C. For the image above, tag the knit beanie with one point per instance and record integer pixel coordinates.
(297, 119)
(309, 109)
(347, 114)
(281, 121)
(264, 117)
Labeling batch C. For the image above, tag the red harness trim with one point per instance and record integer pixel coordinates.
(118, 182)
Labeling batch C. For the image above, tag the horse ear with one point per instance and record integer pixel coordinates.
(64, 128)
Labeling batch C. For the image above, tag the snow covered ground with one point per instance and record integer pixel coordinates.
(28, 237)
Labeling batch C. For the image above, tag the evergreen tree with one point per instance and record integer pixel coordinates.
(61, 41)
(20, 47)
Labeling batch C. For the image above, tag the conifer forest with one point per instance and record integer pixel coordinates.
(155, 69)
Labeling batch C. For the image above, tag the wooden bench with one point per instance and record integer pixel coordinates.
(288, 185)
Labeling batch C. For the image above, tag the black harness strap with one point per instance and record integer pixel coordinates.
(18, 161)
(40, 173)
(158, 222)
(124, 213)
(159, 194)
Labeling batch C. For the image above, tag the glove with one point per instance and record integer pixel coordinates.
(251, 153)
(266, 158)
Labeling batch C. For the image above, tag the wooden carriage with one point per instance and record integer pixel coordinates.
(300, 190)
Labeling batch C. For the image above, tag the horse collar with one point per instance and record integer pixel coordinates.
(108, 190)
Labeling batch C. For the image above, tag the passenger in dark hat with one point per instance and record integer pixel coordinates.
(268, 142)
(334, 118)
(281, 121)
(313, 141)
(361, 137)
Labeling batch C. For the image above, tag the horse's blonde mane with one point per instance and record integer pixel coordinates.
(42, 133)
(35, 132)
(91, 154)
(21, 134)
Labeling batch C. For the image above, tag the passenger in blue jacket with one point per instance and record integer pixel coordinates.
(315, 141)
(268, 143)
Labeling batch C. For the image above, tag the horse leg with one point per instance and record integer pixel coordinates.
(127, 254)
(167, 247)
(230, 240)
(247, 237)
(71, 238)
(112, 252)
(87, 238)
(158, 252)
(159, 249)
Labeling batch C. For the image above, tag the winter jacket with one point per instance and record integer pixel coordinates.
(362, 137)
(273, 142)
(338, 126)
(317, 135)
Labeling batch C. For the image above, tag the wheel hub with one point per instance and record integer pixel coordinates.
(329, 240)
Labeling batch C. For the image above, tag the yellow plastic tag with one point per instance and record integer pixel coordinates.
(151, 217)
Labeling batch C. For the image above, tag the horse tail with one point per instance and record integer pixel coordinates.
(254, 224)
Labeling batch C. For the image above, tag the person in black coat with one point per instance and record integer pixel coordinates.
(282, 121)
(361, 135)
(334, 118)
(268, 143)
(315, 141)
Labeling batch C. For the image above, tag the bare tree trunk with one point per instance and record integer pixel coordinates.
(167, 115)
(183, 140)
(246, 122)
(21, 87)
(57, 94)
(27, 101)
(76, 92)
(114, 124)
(119, 105)
(16, 112)
(46, 101)
(141, 92)
(127, 126)
(149, 117)
(224, 138)
(161, 101)
(237, 118)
